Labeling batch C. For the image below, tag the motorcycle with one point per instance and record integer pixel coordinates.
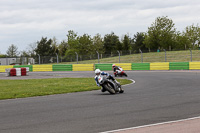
(109, 85)
(120, 74)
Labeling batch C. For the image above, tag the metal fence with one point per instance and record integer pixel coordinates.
(114, 57)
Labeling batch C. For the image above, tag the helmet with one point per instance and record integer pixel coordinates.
(113, 65)
(97, 71)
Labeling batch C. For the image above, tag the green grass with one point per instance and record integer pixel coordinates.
(171, 56)
(10, 89)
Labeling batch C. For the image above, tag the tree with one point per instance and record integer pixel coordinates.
(138, 42)
(182, 42)
(161, 34)
(126, 43)
(98, 44)
(85, 45)
(62, 48)
(73, 43)
(111, 43)
(193, 34)
(55, 49)
(31, 49)
(44, 47)
(12, 51)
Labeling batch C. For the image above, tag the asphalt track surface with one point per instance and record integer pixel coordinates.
(156, 96)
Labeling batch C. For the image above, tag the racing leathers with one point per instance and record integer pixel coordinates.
(108, 76)
(117, 70)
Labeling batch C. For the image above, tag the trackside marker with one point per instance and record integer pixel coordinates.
(156, 124)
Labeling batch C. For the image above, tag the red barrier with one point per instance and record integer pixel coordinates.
(12, 72)
(23, 71)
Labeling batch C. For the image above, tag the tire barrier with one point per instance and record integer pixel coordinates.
(17, 71)
(25, 66)
(106, 67)
(3, 68)
(83, 67)
(159, 66)
(140, 66)
(40, 68)
(125, 66)
(179, 66)
(194, 65)
(103, 67)
(62, 67)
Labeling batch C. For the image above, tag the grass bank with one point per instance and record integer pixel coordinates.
(11, 89)
(170, 56)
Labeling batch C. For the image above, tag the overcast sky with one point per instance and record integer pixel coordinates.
(24, 22)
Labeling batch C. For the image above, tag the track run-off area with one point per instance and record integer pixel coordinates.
(156, 98)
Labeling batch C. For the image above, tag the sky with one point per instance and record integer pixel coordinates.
(24, 22)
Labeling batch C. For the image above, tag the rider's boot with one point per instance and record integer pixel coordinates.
(102, 89)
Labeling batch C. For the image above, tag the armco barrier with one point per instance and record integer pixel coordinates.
(29, 66)
(179, 66)
(3, 68)
(140, 66)
(83, 67)
(159, 66)
(65, 67)
(103, 67)
(39, 68)
(125, 66)
(194, 65)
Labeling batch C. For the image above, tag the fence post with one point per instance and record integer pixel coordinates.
(39, 59)
(141, 55)
(165, 55)
(119, 55)
(57, 58)
(98, 55)
(76, 57)
(7, 60)
(190, 54)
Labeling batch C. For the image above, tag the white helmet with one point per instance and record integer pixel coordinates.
(97, 71)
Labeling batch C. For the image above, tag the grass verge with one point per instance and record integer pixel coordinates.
(11, 89)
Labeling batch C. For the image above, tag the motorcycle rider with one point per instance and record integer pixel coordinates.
(116, 69)
(99, 72)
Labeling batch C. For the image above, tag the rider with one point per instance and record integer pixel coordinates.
(99, 72)
(116, 69)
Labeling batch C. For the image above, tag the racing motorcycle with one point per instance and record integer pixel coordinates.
(120, 74)
(109, 85)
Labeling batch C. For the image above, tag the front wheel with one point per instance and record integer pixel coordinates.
(109, 88)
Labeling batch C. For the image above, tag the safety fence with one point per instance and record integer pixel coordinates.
(108, 67)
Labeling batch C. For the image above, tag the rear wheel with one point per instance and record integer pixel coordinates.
(125, 75)
(121, 90)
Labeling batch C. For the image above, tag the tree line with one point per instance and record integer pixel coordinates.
(161, 35)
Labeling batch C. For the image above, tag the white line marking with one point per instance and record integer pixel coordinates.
(156, 124)
(133, 82)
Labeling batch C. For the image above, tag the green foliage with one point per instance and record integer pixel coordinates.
(160, 35)
(126, 43)
(111, 43)
(44, 47)
(138, 42)
(98, 44)
(193, 34)
(2, 56)
(12, 51)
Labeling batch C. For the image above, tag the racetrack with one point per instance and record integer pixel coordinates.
(157, 96)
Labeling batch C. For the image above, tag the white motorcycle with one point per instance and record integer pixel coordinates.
(109, 85)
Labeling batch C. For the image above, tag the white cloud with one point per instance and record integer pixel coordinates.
(25, 21)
